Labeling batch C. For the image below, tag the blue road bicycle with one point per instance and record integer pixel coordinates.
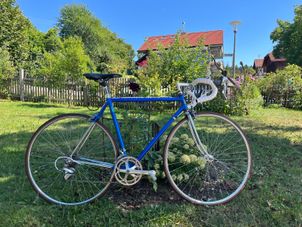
(72, 158)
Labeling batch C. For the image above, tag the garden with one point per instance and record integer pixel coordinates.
(272, 196)
(267, 108)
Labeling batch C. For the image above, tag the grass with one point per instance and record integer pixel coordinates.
(273, 196)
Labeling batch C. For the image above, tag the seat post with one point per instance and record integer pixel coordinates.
(104, 84)
(107, 91)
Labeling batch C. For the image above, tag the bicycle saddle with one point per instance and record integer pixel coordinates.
(99, 76)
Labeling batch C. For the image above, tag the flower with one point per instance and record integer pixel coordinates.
(175, 139)
(193, 157)
(191, 142)
(184, 136)
(186, 176)
(180, 177)
(201, 162)
(185, 159)
(186, 146)
(171, 157)
(156, 166)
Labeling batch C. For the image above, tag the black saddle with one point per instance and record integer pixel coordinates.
(101, 77)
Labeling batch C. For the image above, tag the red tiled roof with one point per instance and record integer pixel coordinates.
(209, 38)
(258, 63)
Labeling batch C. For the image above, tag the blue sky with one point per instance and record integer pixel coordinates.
(134, 20)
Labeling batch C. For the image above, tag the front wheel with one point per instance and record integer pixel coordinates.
(55, 160)
(214, 172)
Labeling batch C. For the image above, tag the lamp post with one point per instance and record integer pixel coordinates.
(234, 25)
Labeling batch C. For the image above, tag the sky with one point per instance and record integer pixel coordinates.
(134, 20)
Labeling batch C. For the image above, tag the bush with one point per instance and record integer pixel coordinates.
(283, 87)
(241, 101)
(250, 96)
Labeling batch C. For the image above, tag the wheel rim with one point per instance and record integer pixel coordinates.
(52, 172)
(213, 179)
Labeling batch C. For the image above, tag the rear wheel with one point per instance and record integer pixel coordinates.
(211, 179)
(56, 175)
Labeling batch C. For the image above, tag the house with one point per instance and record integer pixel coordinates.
(271, 64)
(258, 66)
(213, 41)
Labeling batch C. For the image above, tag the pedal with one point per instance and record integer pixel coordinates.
(152, 174)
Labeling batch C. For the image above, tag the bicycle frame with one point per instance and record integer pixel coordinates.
(109, 102)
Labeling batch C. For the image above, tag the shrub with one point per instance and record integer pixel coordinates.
(283, 87)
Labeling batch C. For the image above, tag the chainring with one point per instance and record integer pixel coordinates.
(122, 168)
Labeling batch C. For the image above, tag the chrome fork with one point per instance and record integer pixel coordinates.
(201, 147)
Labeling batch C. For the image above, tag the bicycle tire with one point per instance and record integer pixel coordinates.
(211, 181)
(49, 142)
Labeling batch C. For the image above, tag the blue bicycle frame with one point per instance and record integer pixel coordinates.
(109, 102)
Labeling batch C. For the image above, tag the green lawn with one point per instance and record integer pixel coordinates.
(273, 196)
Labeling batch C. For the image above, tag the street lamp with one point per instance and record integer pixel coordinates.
(234, 24)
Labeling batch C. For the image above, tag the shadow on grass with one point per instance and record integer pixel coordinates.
(272, 196)
(40, 105)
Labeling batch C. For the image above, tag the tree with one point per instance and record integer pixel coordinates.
(178, 63)
(52, 41)
(13, 31)
(34, 49)
(75, 62)
(108, 52)
(7, 69)
(66, 64)
(287, 37)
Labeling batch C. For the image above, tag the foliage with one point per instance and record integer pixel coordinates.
(52, 41)
(178, 63)
(246, 70)
(7, 71)
(13, 31)
(283, 86)
(34, 48)
(108, 52)
(241, 100)
(287, 37)
(250, 96)
(66, 64)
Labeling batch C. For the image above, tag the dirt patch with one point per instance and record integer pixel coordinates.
(142, 194)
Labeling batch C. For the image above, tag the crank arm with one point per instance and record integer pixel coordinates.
(150, 173)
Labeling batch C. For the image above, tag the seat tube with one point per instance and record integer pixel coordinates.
(117, 128)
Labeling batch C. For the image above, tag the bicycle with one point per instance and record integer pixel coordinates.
(72, 158)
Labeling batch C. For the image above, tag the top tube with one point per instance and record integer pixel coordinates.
(179, 98)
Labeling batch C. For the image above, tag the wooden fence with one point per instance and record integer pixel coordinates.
(73, 94)
(79, 94)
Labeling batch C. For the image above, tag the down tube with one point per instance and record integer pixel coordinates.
(159, 134)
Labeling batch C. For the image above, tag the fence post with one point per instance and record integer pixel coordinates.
(85, 95)
(21, 84)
